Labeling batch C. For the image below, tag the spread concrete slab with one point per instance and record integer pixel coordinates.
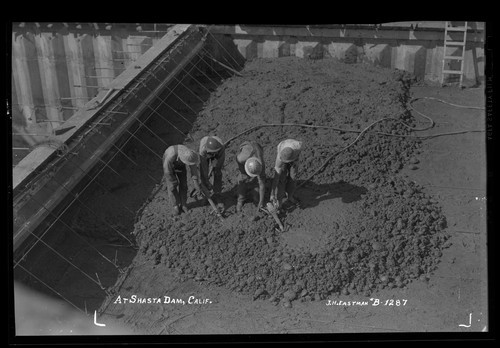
(337, 267)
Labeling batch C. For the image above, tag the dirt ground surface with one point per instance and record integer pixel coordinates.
(390, 235)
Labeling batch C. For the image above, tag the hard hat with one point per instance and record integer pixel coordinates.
(287, 155)
(213, 145)
(188, 156)
(253, 166)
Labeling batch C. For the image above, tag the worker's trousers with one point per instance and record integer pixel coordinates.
(286, 183)
(213, 175)
(177, 191)
(244, 185)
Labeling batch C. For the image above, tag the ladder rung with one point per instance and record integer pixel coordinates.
(453, 57)
(456, 28)
(458, 72)
(454, 43)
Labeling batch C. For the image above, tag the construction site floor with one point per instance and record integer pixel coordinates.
(452, 170)
(328, 272)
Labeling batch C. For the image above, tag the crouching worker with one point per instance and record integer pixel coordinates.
(285, 172)
(212, 156)
(177, 160)
(250, 159)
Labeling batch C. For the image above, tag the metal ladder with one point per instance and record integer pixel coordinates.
(446, 57)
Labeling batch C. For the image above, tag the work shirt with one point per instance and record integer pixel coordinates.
(217, 162)
(295, 145)
(172, 162)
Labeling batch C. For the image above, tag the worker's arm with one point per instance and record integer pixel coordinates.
(262, 182)
(217, 172)
(168, 173)
(294, 167)
(262, 190)
(221, 159)
(204, 164)
(274, 186)
(278, 168)
(203, 170)
(242, 176)
(198, 184)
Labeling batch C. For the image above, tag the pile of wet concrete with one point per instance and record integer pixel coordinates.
(395, 231)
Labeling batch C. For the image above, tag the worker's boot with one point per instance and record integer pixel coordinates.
(176, 211)
(203, 200)
(183, 204)
(239, 207)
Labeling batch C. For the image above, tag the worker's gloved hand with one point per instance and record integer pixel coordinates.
(206, 193)
(175, 184)
(210, 187)
(294, 201)
(275, 202)
(201, 190)
(196, 194)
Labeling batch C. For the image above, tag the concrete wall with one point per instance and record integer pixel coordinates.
(416, 47)
(58, 67)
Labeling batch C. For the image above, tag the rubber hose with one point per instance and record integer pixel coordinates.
(431, 125)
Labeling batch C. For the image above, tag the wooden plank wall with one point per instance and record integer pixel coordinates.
(58, 67)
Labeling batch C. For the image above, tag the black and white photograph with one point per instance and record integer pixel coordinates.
(230, 180)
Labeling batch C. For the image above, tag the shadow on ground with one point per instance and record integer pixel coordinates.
(310, 195)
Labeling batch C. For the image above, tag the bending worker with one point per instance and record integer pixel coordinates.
(250, 159)
(285, 171)
(177, 159)
(212, 156)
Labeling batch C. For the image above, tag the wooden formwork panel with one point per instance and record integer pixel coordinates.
(59, 67)
(40, 185)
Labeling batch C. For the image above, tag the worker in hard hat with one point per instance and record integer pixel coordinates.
(212, 156)
(250, 160)
(285, 171)
(177, 160)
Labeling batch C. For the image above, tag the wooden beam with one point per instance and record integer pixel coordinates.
(103, 58)
(315, 32)
(62, 76)
(76, 69)
(22, 85)
(48, 76)
(86, 49)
